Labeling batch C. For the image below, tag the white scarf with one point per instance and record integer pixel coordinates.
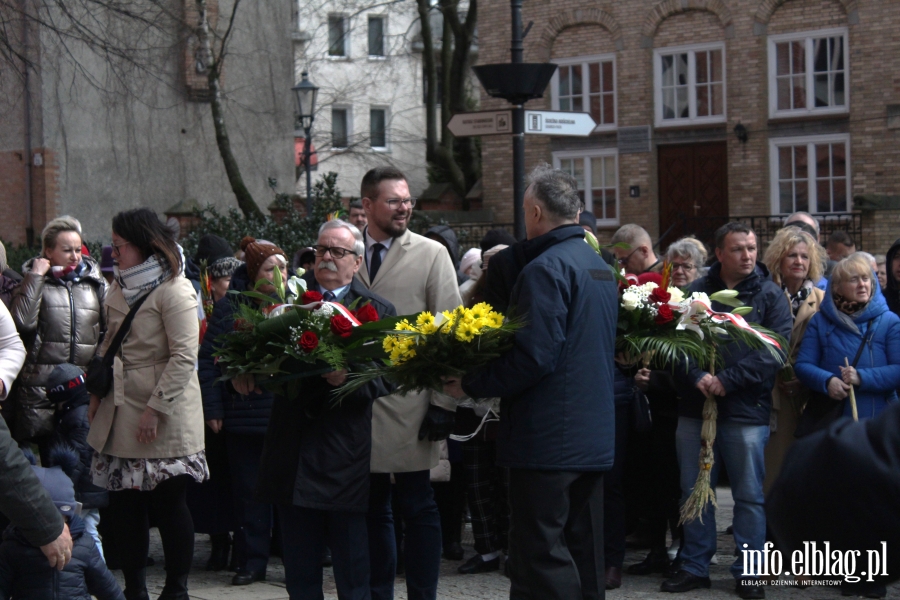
(140, 280)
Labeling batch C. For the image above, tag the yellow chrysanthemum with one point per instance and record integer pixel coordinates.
(425, 323)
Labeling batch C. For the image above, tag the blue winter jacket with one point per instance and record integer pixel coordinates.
(239, 414)
(25, 573)
(556, 384)
(832, 335)
(747, 375)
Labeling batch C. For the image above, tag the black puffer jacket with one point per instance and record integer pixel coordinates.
(25, 573)
(892, 290)
(59, 321)
(748, 375)
(240, 414)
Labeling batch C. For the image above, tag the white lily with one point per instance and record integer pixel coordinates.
(296, 285)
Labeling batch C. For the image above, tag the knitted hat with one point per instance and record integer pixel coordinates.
(65, 383)
(212, 248)
(495, 237)
(106, 260)
(224, 267)
(60, 488)
(588, 219)
(256, 253)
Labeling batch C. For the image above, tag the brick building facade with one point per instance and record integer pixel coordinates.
(813, 85)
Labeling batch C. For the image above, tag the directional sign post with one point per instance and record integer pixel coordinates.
(494, 122)
(550, 122)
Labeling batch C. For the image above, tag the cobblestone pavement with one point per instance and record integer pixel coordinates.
(486, 586)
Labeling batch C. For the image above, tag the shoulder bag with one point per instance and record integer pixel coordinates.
(99, 377)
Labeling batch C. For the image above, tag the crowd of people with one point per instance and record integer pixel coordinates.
(108, 370)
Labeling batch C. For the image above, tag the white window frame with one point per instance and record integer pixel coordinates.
(349, 111)
(346, 21)
(692, 85)
(585, 93)
(587, 155)
(807, 37)
(384, 37)
(387, 137)
(810, 141)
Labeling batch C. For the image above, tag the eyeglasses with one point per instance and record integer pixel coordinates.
(624, 261)
(117, 246)
(686, 267)
(336, 251)
(395, 202)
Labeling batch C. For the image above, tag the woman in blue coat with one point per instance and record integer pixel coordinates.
(853, 312)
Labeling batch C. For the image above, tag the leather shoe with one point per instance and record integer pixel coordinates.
(674, 568)
(655, 562)
(750, 589)
(476, 564)
(613, 578)
(453, 551)
(684, 582)
(248, 577)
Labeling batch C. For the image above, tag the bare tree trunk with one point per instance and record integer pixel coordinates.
(244, 199)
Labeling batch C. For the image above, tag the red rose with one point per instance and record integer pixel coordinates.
(341, 326)
(308, 341)
(660, 295)
(310, 297)
(664, 315)
(366, 314)
(242, 325)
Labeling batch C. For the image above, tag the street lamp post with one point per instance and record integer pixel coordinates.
(306, 94)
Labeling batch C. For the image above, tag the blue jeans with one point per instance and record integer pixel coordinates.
(741, 449)
(305, 532)
(422, 535)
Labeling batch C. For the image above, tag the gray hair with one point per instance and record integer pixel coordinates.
(359, 246)
(557, 191)
(868, 257)
(689, 248)
(57, 226)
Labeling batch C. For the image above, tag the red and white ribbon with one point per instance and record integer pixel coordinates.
(718, 317)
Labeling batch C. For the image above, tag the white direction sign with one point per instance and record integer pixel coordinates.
(481, 123)
(551, 122)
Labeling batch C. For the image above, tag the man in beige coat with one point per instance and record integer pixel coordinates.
(414, 274)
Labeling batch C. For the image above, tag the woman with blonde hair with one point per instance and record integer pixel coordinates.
(795, 262)
(58, 311)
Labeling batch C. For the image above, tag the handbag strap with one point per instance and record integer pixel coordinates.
(123, 330)
(866, 339)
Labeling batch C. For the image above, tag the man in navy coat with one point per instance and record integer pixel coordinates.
(556, 415)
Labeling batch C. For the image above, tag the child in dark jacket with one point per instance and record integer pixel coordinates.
(68, 447)
(24, 571)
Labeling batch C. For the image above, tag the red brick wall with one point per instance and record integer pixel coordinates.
(632, 29)
(44, 193)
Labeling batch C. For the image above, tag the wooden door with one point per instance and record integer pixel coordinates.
(693, 191)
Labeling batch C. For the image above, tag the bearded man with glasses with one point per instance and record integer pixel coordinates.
(414, 274)
(639, 256)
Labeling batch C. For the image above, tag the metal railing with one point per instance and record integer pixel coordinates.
(765, 227)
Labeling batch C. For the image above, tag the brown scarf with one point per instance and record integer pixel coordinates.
(849, 307)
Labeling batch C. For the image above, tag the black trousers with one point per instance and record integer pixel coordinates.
(487, 490)
(129, 515)
(556, 535)
(614, 495)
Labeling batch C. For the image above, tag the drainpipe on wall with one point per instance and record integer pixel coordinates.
(29, 217)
